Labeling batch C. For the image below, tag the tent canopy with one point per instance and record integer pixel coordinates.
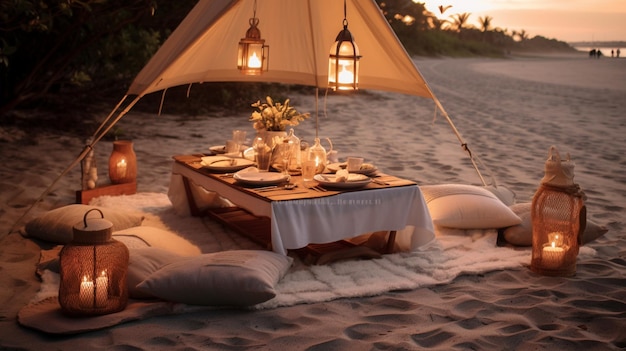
(299, 33)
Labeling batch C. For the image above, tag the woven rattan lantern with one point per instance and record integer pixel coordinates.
(93, 270)
(122, 162)
(558, 219)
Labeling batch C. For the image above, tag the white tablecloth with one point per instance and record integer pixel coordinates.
(297, 223)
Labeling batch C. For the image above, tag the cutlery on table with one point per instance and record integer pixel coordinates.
(379, 182)
(275, 187)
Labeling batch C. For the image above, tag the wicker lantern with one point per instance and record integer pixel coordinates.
(558, 219)
(93, 270)
(122, 163)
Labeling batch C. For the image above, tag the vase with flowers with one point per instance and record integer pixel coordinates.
(272, 118)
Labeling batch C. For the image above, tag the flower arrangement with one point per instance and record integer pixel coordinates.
(275, 116)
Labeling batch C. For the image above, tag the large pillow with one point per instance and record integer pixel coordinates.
(156, 237)
(506, 195)
(467, 207)
(57, 225)
(142, 263)
(228, 278)
(522, 234)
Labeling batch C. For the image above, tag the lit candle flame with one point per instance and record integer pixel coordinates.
(253, 61)
(345, 76)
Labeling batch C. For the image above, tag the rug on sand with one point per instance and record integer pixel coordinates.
(450, 254)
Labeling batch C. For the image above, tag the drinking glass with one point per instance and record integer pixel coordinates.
(308, 170)
(262, 156)
(239, 137)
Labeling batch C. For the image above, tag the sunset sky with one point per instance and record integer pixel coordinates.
(566, 20)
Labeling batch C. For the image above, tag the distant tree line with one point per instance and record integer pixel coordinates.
(60, 53)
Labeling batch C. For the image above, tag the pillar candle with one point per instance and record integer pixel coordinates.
(102, 290)
(86, 293)
(552, 256)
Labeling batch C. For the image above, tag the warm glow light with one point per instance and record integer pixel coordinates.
(254, 61)
(253, 54)
(345, 76)
(601, 20)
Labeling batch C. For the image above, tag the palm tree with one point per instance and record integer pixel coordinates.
(522, 35)
(460, 19)
(485, 22)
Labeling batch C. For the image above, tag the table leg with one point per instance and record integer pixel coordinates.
(193, 208)
(391, 241)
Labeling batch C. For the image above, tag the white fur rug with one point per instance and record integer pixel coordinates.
(450, 254)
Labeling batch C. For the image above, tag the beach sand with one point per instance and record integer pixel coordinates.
(508, 111)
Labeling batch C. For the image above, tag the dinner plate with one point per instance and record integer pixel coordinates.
(354, 181)
(260, 178)
(225, 164)
(221, 149)
(366, 168)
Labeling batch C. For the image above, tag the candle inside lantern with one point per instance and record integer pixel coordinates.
(552, 256)
(102, 289)
(86, 292)
(90, 293)
(121, 169)
(345, 76)
(254, 61)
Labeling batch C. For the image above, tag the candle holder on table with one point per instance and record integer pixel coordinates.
(122, 173)
(93, 269)
(558, 219)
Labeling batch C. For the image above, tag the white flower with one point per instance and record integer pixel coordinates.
(275, 116)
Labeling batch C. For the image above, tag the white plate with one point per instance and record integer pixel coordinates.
(221, 149)
(354, 181)
(260, 178)
(366, 168)
(225, 164)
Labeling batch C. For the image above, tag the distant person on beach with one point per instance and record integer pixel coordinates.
(618, 52)
(612, 53)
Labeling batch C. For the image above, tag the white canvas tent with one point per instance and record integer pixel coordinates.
(299, 32)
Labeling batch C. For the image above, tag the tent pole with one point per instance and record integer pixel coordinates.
(458, 135)
(81, 156)
(109, 116)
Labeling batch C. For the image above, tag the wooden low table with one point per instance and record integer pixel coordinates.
(310, 222)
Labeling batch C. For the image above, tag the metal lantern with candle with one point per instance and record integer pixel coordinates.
(122, 162)
(93, 270)
(558, 219)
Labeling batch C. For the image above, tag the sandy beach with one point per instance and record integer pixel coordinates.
(509, 111)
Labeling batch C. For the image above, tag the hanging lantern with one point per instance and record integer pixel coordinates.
(122, 163)
(558, 219)
(93, 270)
(343, 62)
(317, 153)
(253, 55)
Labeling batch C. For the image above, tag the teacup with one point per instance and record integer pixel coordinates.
(354, 164)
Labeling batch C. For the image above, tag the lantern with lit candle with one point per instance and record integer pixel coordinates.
(558, 219)
(122, 162)
(343, 61)
(253, 54)
(93, 269)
